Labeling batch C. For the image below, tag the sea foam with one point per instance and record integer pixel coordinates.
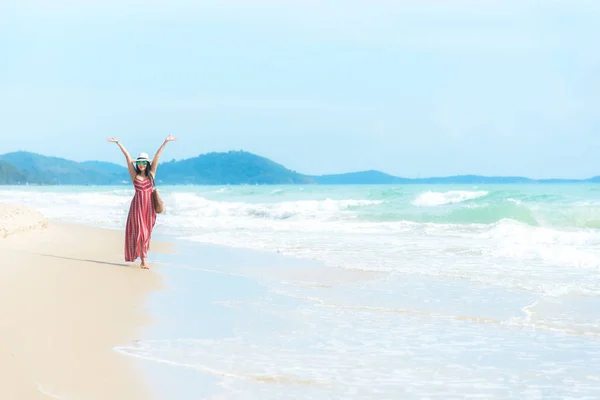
(429, 199)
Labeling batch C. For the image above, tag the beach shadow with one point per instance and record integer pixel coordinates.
(87, 260)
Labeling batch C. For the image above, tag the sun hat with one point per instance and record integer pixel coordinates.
(142, 157)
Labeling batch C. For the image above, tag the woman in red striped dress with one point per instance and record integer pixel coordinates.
(142, 217)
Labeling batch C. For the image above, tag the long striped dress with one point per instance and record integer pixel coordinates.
(140, 221)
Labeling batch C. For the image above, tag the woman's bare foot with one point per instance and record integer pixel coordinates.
(144, 265)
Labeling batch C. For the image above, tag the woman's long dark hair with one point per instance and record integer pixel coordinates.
(146, 171)
(139, 172)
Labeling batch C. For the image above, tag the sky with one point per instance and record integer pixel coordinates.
(414, 88)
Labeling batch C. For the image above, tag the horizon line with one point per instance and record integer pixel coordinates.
(336, 174)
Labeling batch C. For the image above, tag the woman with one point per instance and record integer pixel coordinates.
(142, 217)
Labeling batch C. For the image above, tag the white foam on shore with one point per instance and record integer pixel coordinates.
(15, 219)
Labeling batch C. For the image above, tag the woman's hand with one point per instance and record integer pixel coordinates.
(112, 140)
(170, 138)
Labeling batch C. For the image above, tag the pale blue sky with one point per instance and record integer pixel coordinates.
(413, 88)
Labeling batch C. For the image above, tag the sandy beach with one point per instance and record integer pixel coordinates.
(67, 298)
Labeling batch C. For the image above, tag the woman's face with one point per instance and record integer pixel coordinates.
(142, 165)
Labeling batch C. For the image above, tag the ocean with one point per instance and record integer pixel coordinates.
(366, 292)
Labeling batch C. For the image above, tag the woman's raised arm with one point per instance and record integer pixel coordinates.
(158, 154)
(132, 172)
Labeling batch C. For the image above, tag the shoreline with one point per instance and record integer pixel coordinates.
(247, 309)
(68, 299)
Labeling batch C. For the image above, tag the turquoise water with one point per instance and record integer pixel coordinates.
(562, 205)
(414, 291)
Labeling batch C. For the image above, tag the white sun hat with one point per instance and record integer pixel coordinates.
(141, 157)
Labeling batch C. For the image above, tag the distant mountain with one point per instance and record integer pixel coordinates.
(474, 179)
(594, 179)
(230, 168)
(46, 170)
(106, 168)
(380, 178)
(359, 178)
(11, 175)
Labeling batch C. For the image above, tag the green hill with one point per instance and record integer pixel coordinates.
(359, 178)
(11, 175)
(233, 168)
(230, 168)
(106, 168)
(46, 170)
